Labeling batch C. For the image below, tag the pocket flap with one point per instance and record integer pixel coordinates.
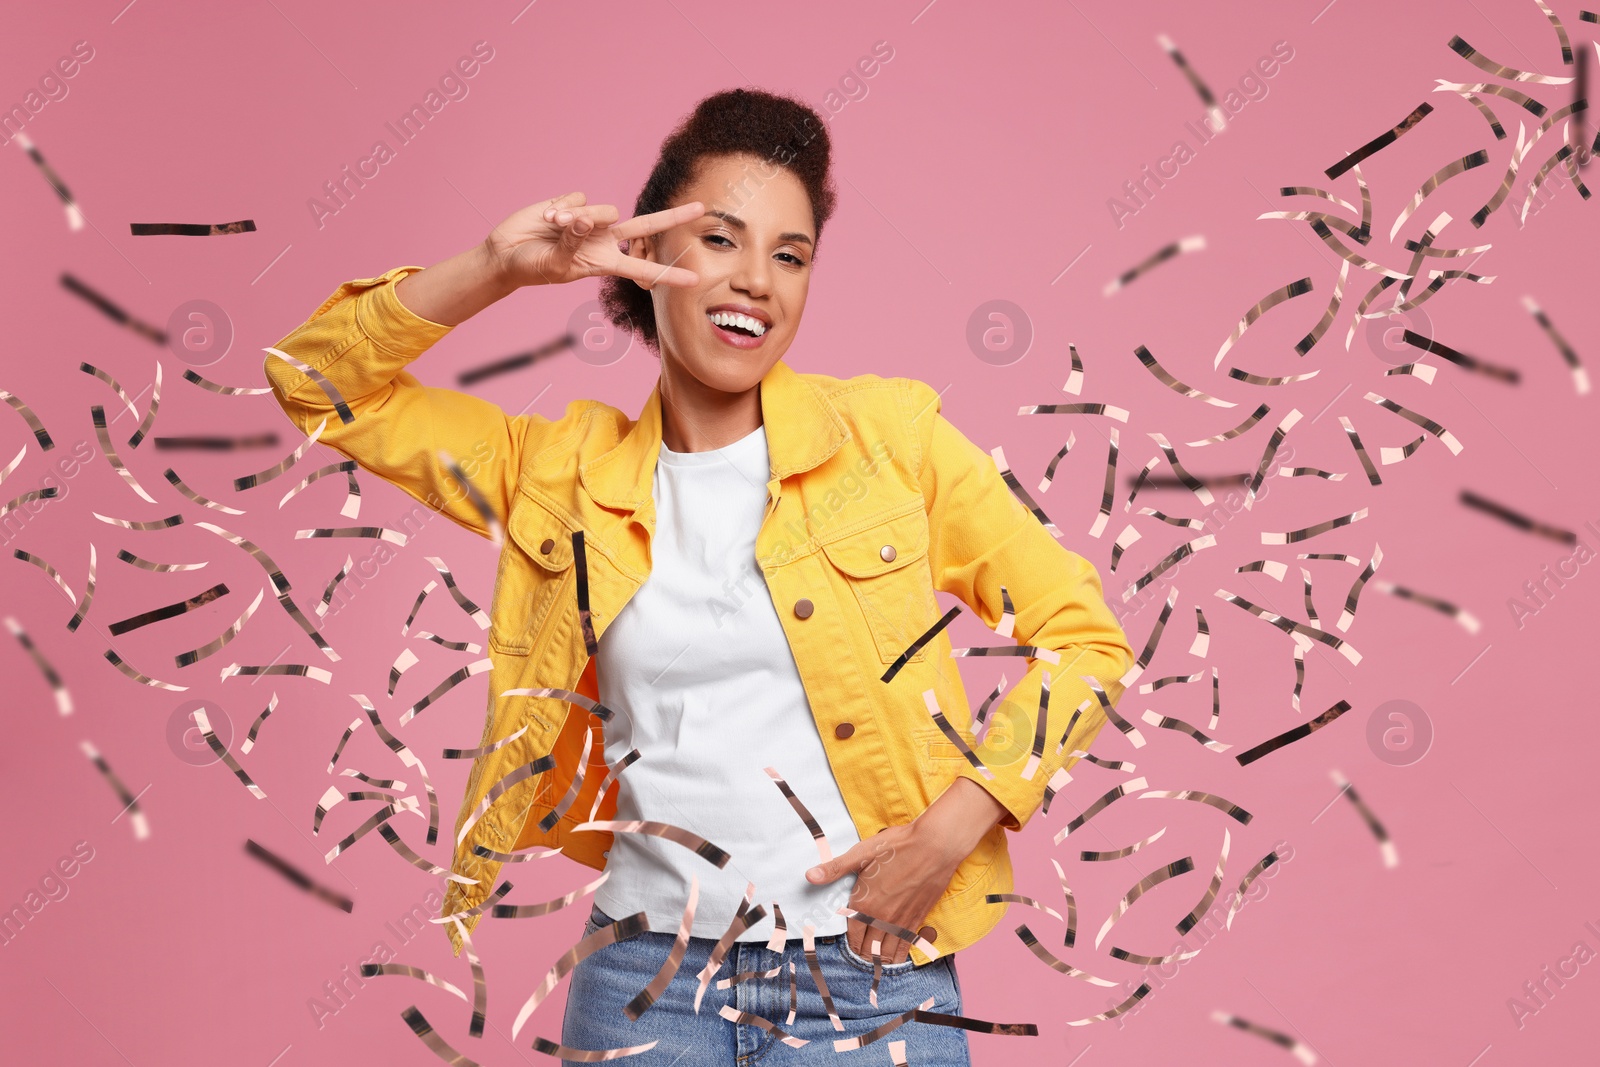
(533, 527)
(861, 554)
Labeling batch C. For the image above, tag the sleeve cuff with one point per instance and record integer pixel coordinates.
(388, 323)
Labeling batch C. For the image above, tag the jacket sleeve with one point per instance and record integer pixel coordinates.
(981, 537)
(361, 339)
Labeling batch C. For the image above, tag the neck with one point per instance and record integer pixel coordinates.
(697, 418)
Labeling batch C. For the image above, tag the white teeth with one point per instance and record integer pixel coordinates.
(730, 318)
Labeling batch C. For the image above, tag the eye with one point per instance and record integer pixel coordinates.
(797, 260)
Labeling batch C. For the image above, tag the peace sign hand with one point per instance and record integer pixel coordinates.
(562, 240)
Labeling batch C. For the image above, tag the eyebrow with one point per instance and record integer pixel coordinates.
(739, 224)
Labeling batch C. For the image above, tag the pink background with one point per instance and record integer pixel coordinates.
(977, 166)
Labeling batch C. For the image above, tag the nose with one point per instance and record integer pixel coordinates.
(753, 274)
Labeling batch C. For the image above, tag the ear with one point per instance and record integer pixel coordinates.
(638, 248)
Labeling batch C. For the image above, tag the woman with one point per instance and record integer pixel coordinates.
(739, 577)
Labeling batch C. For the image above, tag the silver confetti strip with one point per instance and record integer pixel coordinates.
(130, 803)
(1468, 621)
(1111, 1013)
(1202, 637)
(333, 583)
(1190, 482)
(372, 822)
(249, 481)
(743, 919)
(477, 614)
(139, 676)
(676, 834)
(1580, 376)
(204, 723)
(1055, 461)
(1189, 921)
(63, 697)
(224, 390)
(1165, 722)
(1149, 650)
(255, 727)
(1361, 451)
(611, 776)
(1222, 804)
(1049, 959)
(1470, 161)
(1423, 421)
(402, 663)
(1022, 494)
(1391, 857)
(1228, 435)
(1238, 900)
(669, 967)
(198, 498)
(88, 595)
(1119, 853)
(1285, 424)
(811, 824)
(394, 537)
(1148, 882)
(593, 707)
(1489, 66)
(149, 419)
(327, 387)
(1166, 378)
(624, 928)
(1072, 906)
(116, 386)
(184, 659)
(1305, 729)
(1288, 292)
(1128, 537)
(417, 606)
(1295, 536)
(745, 1018)
(1074, 383)
(1155, 259)
(1296, 1048)
(547, 907)
(850, 1044)
(53, 574)
(574, 787)
(296, 670)
(98, 414)
(39, 432)
(1188, 548)
(1108, 490)
(470, 670)
(342, 467)
(953, 735)
(1290, 626)
(479, 502)
(405, 970)
(500, 788)
(1309, 341)
(1108, 410)
(1115, 793)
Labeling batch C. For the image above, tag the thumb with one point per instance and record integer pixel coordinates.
(851, 861)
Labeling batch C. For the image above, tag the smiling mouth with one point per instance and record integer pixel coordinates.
(742, 325)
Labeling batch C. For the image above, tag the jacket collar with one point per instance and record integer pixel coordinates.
(802, 428)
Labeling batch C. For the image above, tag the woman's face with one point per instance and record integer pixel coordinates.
(752, 251)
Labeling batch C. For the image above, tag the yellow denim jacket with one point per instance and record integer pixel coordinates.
(875, 501)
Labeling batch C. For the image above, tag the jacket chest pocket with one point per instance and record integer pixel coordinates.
(886, 567)
(534, 576)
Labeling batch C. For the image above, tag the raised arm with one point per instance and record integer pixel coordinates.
(981, 537)
(366, 333)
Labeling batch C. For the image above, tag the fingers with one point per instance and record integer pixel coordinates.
(656, 221)
(597, 214)
(650, 274)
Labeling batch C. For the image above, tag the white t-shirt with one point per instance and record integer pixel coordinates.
(703, 683)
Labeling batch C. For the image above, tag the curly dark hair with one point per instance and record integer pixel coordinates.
(780, 130)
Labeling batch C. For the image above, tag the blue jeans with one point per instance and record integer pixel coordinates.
(607, 980)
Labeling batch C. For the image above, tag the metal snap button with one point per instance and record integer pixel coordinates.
(844, 730)
(803, 608)
(887, 552)
(547, 546)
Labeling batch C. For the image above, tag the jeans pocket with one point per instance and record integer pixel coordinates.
(596, 920)
(850, 956)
